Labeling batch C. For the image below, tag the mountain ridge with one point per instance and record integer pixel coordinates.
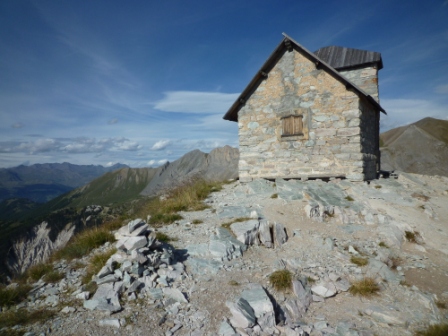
(420, 148)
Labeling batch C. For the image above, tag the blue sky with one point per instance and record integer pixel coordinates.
(144, 81)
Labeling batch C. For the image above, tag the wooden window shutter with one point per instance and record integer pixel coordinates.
(292, 125)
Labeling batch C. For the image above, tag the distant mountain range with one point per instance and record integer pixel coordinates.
(113, 190)
(421, 148)
(43, 182)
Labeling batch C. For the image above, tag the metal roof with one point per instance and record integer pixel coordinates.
(285, 44)
(342, 58)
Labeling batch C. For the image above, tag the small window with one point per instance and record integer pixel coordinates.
(292, 125)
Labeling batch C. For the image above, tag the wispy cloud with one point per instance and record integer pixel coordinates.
(112, 121)
(72, 146)
(195, 102)
(161, 144)
(406, 111)
(17, 125)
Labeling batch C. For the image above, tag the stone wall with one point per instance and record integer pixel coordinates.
(365, 78)
(331, 142)
(369, 139)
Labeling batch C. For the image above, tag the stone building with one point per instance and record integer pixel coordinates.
(310, 115)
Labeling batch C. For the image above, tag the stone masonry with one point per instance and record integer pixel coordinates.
(332, 143)
(339, 112)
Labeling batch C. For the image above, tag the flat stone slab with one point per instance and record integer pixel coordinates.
(200, 266)
(246, 232)
(258, 299)
(175, 294)
(226, 329)
(243, 315)
(109, 323)
(234, 212)
(323, 291)
(198, 250)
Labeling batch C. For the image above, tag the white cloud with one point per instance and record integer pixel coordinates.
(196, 102)
(161, 144)
(151, 162)
(112, 121)
(406, 111)
(17, 125)
(161, 162)
(109, 164)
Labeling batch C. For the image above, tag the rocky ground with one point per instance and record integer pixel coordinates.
(212, 282)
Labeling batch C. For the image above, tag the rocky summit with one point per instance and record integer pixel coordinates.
(215, 276)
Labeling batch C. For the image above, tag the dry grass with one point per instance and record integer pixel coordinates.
(364, 287)
(234, 283)
(412, 236)
(281, 280)
(236, 220)
(434, 330)
(13, 295)
(349, 198)
(36, 272)
(383, 244)
(441, 304)
(197, 221)
(274, 196)
(96, 262)
(394, 262)
(185, 198)
(12, 318)
(164, 238)
(420, 196)
(359, 261)
(83, 243)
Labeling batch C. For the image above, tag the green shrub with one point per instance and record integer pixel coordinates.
(233, 283)
(360, 261)
(274, 196)
(83, 243)
(349, 198)
(12, 318)
(434, 330)
(281, 280)
(197, 221)
(364, 287)
(13, 295)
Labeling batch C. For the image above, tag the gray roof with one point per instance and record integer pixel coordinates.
(343, 58)
(288, 42)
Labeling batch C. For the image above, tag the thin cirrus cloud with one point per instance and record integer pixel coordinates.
(70, 145)
(195, 102)
(405, 111)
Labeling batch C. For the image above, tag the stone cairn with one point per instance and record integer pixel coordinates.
(142, 264)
